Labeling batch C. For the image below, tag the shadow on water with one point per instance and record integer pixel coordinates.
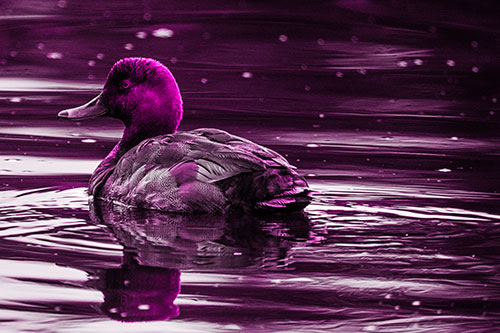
(157, 246)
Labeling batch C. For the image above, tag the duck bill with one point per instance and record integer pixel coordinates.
(94, 108)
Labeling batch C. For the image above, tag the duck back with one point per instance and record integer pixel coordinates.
(204, 171)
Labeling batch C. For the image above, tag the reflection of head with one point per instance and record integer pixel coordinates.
(138, 293)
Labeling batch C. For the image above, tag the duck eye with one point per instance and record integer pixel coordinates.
(125, 84)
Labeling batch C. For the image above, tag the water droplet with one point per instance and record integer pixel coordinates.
(89, 141)
(247, 75)
(40, 46)
(15, 99)
(163, 33)
(310, 174)
(312, 145)
(100, 56)
(444, 170)
(283, 38)
(128, 46)
(143, 307)
(204, 80)
(450, 62)
(321, 41)
(339, 75)
(237, 253)
(321, 115)
(62, 4)
(494, 100)
(113, 310)
(418, 62)
(141, 34)
(403, 63)
(91, 63)
(474, 44)
(416, 303)
(475, 69)
(307, 87)
(492, 113)
(126, 282)
(454, 138)
(55, 55)
(173, 60)
(123, 314)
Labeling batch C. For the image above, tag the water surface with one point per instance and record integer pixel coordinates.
(390, 110)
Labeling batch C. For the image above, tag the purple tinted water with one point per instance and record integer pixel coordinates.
(390, 111)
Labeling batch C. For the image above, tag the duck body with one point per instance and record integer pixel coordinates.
(200, 171)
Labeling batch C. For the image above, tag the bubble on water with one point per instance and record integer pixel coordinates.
(40, 46)
(362, 71)
(388, 296)
(450, 62)
(475, 69)
(173, 60)
(15, 99)
(494, 100)
(444, 170)
(283, 38)
(237, 253)
(403, 63)
(204, 80)
(416, 303)
(91, 63)
(62, 4)
(454, 138)
(148, 16)
(144, 307)
(13, 54)
(141, 34)
(124, 314)
(492, 113)
(128, 46)
(339, 75)
(312, 145)
(89, 141)
(307, 87)
(55, 55)
(247, 75)
(474, 44)
(320, 41)
(100, 56)
(321, 115)
(163, 33)
(418, 62)
(442, 93)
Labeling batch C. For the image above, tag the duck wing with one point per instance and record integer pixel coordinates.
(202, 170)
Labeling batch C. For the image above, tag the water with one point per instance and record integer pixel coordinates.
(389, 109)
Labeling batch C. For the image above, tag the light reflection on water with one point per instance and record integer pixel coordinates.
(400, 147)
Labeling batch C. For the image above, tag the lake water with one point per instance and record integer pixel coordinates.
(390, 110)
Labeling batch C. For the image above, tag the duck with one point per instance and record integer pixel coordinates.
(156, 167)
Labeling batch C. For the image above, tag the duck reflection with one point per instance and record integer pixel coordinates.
(159, 245)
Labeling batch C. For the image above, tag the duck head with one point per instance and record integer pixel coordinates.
(142, 93)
